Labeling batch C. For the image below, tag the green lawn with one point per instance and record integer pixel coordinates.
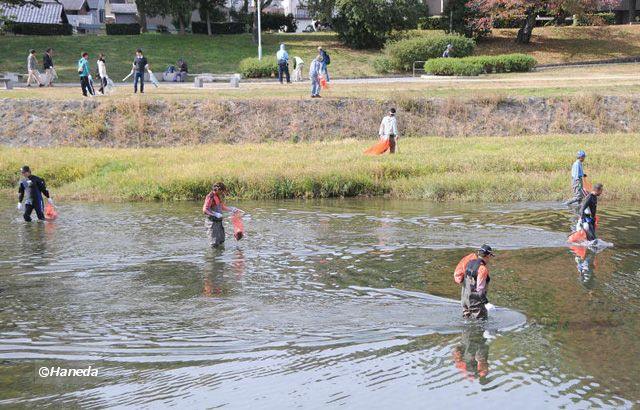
(218, 54)
(221, 54)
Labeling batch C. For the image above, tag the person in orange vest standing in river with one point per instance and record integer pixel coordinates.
(472, 273)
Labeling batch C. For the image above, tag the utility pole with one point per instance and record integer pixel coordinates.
(258, 2)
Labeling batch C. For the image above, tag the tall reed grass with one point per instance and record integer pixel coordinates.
(430, 168)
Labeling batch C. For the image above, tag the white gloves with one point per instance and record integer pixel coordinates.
(19, 207)
(50, 201)
(217, 215)
(489, 306)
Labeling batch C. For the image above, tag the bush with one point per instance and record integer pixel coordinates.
(254, 68)
(123, 29)
(276, 21)
(219, 28)
(596, 19)
(35, 29)
(472, 66)
(382, 65)
(404, 53)
(433, 23)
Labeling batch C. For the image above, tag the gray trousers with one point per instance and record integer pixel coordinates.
(215, 231)
(578, 192)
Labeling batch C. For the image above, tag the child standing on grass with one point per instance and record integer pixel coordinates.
(214, 207)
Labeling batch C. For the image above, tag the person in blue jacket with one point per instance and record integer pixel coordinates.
(83, 71)
(577, 179)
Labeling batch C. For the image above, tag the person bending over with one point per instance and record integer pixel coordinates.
(588, 212)
(214, 207)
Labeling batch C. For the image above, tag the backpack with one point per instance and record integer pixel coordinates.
(326, 57)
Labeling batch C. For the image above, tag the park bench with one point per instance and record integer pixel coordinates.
(200, 79)
(6, 83)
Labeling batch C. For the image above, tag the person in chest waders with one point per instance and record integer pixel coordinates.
(31, 190)
(472, 273)
(214, 207)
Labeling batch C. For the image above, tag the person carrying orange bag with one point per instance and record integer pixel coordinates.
(214, 207)
(388, 133)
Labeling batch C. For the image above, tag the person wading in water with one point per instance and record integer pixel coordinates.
(588, 212)
(214, 207)
(472, 273)
(30, 191)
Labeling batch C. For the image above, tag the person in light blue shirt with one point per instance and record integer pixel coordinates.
(83, 71)
(315, 69)
(283, 64)
(577, 179)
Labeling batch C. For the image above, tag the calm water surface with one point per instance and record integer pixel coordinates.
(323, 304)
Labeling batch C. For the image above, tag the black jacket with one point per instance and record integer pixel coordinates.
(47, 61)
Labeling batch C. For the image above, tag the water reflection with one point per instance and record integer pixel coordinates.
(585, 263)
(471, 355)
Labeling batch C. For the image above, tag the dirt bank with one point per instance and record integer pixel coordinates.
(148, 123)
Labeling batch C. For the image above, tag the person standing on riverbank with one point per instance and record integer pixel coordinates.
(577, 179)
(326, 60)
(47, 64)
(315, 70)
(588, 212)
(389, 130)
(213, 208)
(140, 66)
(472, 273)
(102, 73)
(32, 69)
(83, 71)
(30, 191)
(283, 64)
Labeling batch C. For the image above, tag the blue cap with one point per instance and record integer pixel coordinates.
(581, 154)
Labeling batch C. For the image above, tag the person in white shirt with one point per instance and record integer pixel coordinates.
(102, 72)
(298, 65)
(389, 130)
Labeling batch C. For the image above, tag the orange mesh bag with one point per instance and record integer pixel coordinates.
(238, 226)
(378, 149)
(586, 186)
(323, 82)
(579, 236)
(50, 212)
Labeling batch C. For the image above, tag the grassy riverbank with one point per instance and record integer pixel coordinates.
(438, 169)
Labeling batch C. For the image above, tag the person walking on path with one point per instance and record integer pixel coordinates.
(140, 66)
(326, 60)
(30, 191)
(213, 208)
(32, 69)
(577, 179)
(447, 51)
(472, 273)
(589, 211)
(102, 73)
(47, 64)
(283, 64)
(389, 130)
(83, 71)
(315, 68)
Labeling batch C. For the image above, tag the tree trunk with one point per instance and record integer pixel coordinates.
(143, 21)
(525, 32)
(181, 23)
(632, 11)
(209, 33)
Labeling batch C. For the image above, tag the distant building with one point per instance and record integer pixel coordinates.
(47, 13)
(121, 12)
(96, 9)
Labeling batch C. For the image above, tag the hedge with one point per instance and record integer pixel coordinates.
(596, 19)
(403, 53)
(274, 21)
(472, 66)
(219, 28)
(254, 68)
(36, 29)
(433, 23)
(123, 29)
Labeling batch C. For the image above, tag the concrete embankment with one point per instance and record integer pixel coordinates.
(154, 123)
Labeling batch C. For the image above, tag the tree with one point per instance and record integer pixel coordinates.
(464, 17)
(208, 8)
(263, 5)
(368, 23)
(526, 11)
(149, 8)
(320, 9)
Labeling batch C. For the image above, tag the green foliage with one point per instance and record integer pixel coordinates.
(254, 68)
(403, 53)
(37, 29)
(433, 23)
(368, 23)
(123, 29)
(461, 17)
(278, 21)
(382, 65)
(472, 66)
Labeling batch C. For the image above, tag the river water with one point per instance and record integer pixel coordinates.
(345, 303)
